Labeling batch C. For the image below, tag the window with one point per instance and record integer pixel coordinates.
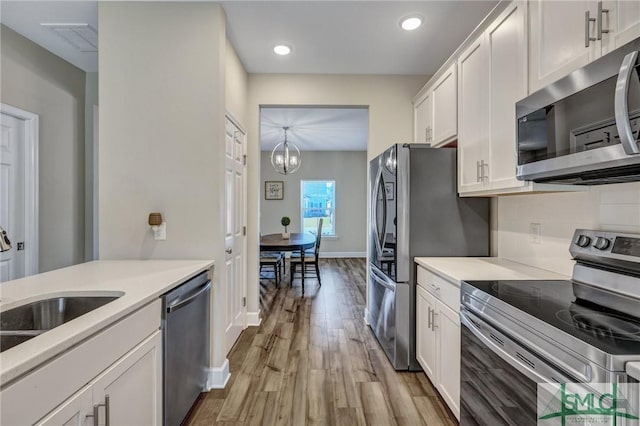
(318, 200)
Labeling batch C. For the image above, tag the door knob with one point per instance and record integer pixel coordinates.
(229, 250)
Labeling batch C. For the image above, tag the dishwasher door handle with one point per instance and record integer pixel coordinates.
(189, 299)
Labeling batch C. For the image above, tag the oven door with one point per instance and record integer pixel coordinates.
(499, 377)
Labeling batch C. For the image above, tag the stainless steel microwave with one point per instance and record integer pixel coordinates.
(584, 128)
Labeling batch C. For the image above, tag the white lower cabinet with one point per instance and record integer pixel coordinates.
(425, 335)
(129, 392)
(72, 412)
(123, 362)
(133, 386)
(447, 324)
(438, 335)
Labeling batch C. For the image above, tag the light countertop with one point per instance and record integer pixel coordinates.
(141, 281)
(458, 269)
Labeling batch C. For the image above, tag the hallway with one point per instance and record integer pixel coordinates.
(314, 361)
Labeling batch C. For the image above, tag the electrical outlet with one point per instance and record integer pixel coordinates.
(535, 232)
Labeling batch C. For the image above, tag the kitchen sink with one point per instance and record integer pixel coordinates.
(25, 322)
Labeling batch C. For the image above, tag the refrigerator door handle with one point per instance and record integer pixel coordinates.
(382, 280)
(383, 237)
(376, 231)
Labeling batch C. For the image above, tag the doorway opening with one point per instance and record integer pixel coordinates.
(19, 191)
(330, 184)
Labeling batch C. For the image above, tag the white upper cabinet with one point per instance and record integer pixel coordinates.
(620, 23)
(566, 35)
(435, 111)
(558, 39)
(473, 114)
(445, 114)
(506, 40)
(422, 115)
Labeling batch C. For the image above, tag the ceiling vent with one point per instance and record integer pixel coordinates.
(81, 36)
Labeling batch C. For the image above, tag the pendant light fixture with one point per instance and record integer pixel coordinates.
(285, 157)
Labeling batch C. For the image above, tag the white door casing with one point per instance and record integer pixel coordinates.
(19, 191)
(235, 264)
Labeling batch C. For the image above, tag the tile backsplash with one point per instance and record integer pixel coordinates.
(555, 216)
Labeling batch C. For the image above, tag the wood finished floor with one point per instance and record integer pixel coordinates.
(313, 361)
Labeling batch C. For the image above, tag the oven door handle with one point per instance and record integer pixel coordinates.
(621, 104)
(518, 357)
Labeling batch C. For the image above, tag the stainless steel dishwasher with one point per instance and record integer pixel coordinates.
(185, 326)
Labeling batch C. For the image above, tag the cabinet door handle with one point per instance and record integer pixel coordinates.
(96, 412)
(601, 13)
(477, 171)
(94, 415)
(429, 318)
(107, 413)
(485, 176)
(587, 34)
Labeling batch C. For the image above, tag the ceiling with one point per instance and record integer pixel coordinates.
(25, 18)
(350, 37)
(315, 129)
(327, 37)
(335, 37)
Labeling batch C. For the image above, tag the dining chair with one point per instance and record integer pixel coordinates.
(311, 258)
(274, 260)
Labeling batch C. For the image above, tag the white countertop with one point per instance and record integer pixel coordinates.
(141, 281)
(458, 269)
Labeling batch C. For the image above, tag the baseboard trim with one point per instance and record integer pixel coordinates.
(253, 319)
(218, 377)
(342, 254)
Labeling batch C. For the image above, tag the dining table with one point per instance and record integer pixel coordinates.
(296, 242)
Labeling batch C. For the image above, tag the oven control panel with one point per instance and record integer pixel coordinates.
(589, 244)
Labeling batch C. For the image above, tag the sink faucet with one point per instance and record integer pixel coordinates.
(5, 244)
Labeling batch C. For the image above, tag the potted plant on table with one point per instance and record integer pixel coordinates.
(285, 221)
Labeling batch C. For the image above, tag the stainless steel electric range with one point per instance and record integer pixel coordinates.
(516, 334)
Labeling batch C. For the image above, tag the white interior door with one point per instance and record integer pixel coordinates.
(235, 231)
(12, 178)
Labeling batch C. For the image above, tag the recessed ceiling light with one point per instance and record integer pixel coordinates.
(411, 22)
(282, 49)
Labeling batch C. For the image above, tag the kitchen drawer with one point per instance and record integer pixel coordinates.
(58, 379)
(444, 290)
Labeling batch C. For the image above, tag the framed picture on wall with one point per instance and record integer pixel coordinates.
(389, 190)
(274, 190)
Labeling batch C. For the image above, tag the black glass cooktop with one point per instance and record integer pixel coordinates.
(554, 303)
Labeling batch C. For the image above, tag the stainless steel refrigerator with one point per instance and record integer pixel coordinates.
(415, 211)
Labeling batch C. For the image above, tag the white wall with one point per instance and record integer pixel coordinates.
(162, 107)
(606, 207)
(90, 155)
(349, 170)
(236, 82)
(37, 81)
(390, 121)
